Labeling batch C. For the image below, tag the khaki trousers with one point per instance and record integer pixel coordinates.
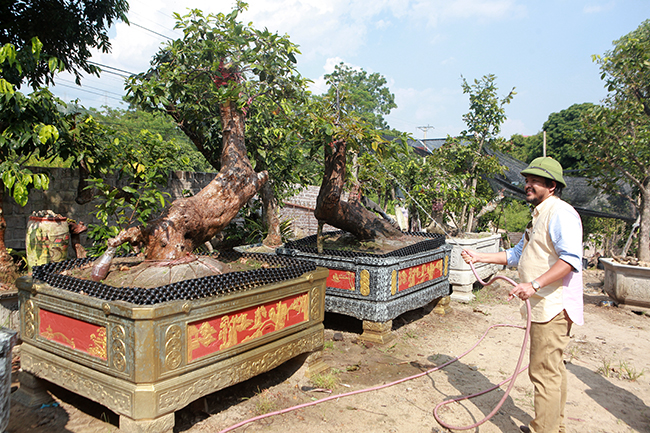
(548, 374)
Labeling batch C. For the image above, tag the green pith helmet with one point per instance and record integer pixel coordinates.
(547, 167)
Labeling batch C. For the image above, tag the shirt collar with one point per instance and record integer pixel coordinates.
(543, 205)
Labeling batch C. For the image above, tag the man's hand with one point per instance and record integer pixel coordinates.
(469, 256)
(522, 291)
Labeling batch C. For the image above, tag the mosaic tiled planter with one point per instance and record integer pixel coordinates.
(145, 359)
(376, 288)
(627, 285)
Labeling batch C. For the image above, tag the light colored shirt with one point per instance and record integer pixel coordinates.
(555, 233)
(565, 229)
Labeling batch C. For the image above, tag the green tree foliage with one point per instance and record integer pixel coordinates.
(37, 40)
(563, 129)
(130, 123)
(464, 158)
(67, 32)
(143, 169)
(618, 133)
(364, 94)
(218, 60)
(526, 148)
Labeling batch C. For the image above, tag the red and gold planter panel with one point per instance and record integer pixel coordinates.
(415, 275)
(74, 333)
(341, 279)
(222, 332)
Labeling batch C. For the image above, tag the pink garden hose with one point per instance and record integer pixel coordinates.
(435, 411)
(511, 378)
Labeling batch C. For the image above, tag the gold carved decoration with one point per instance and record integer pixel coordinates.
(378, 326)
(173, 347)
(419, 274)
(364, 282)
(51, 335)
(118, 348)
(30, 319)
(230, 325)
(106, 307)
(183, 395)
(98, 346)
(314, 300)
(393, 282)
(87, 386)
(343, 276)
(446, 269)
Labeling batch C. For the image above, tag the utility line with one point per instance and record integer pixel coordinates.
(113, 68)
(151, 31)
(89, 91)
(89, 87)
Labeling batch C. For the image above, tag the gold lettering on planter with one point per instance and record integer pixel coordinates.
(393, 282)
(415, 275)
(222, 332)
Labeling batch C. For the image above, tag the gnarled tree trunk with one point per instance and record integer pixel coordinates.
(189, 222)
(350, 216)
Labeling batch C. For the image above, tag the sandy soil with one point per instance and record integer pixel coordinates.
(607, 360)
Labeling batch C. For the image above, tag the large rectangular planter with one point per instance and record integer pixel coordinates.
(627, 285)
(146, 361)
(378, 288)
(461, 277)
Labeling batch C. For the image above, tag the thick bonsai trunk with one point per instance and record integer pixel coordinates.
(349, 216)
(189, 222)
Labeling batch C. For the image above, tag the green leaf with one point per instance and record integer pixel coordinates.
(8, 179)
(48, 132)
(6, 87)
(53, 64)
(20, 194)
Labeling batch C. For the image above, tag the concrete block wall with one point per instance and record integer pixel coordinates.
(60, 198)
(300, 210)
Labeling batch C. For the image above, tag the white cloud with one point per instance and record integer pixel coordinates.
(383, 25)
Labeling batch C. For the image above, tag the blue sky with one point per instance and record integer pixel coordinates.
(542, 48)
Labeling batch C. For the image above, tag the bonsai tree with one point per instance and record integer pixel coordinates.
(207, 82)
(222, 72)
(464, 159)
(618, 132)
(346, 123)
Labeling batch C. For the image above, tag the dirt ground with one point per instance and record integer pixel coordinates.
(607, 361)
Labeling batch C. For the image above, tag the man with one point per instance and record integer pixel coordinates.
(549, 259)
